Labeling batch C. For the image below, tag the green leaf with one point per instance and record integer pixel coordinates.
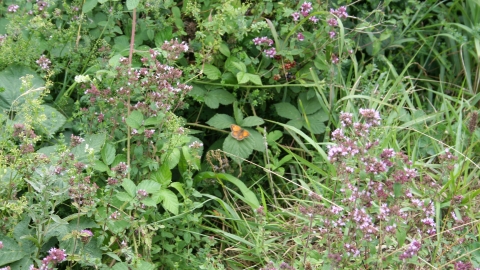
(251, 121)
(169, 201)
(239, 149)
(155, 121)
(240, 66)
(150, 186)
(163, 175)
(94, 142)
(287, 110)
(11, 251)
(316, 122)
(108, 153)
(223, 96)
(221, 121)
(123, 197)
(131, 4)
(58, 219)
(166, 34)
(135, 120)
(211, 101)
(254, 78)
(224, 49)
(212, 72)
(89, 5)
(129, 187)
(242, 77)
(10, 81)
(179, 187)
(173, 158)
(231, 67)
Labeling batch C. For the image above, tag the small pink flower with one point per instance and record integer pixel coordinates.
(13, 8)
(300, 37)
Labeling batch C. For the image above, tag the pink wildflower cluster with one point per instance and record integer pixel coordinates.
(12, 8)
(44, 62)
(174, 48)
(55, 256)
(270, 52)
(304, 11)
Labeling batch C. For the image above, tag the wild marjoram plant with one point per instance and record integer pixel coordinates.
(382, 212)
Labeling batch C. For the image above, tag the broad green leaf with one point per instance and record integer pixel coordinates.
(11, 251)
(10, 81)
(223, 96)
(239, 149)
(123, 197)
(94, 143)
(165, 34)
(173, 158)
(129, 187)
(287, 110)
(254, 78)
(154, 121)
(212, 72)
(131, 4)
(89, 5)
(251, 121)
(230, 66)
(58, 219)
(108, 153)
(179, 187)
(242, 77)
(163, 175)
(135, 119)
(240, 66)
(316, 121)
(150, 186)
(224, 49)
(221, 121)
(54, 120)
(211, 101)
(169, 201)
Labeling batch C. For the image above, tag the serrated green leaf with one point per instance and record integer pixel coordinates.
(224, 49)
(131, 4)
(287, 110)
(211, 100)
(238, 149)
(123, 197)
(316, 121)
(251, 121)
(212, 72)
(129, 187)
(173, 158)
(169, 201)
(135, 120)
(10, 81)
(242, 77)
(240, 66)
(179, 187)
(223, 96)
(230, 66)
(254, 79)
(108, 153)
(163, 175)
(150, 186)
(221, 121)
(89, 5)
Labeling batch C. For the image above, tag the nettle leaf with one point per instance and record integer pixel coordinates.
(131, 4)
(221, 121)
(239, 149)
(169, 201)
(212, 72)
(135, 120)
(287, 110)
(251, 121)
(89, 5)
(108, 153)
(11, 83)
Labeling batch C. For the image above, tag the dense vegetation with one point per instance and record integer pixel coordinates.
(239, 135)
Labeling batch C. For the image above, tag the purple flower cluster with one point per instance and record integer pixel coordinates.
(55, 256)
(265, 41)
(304, 11)
(43, 62)
(13, 8)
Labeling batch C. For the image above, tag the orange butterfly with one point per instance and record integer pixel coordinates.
(238, 132)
